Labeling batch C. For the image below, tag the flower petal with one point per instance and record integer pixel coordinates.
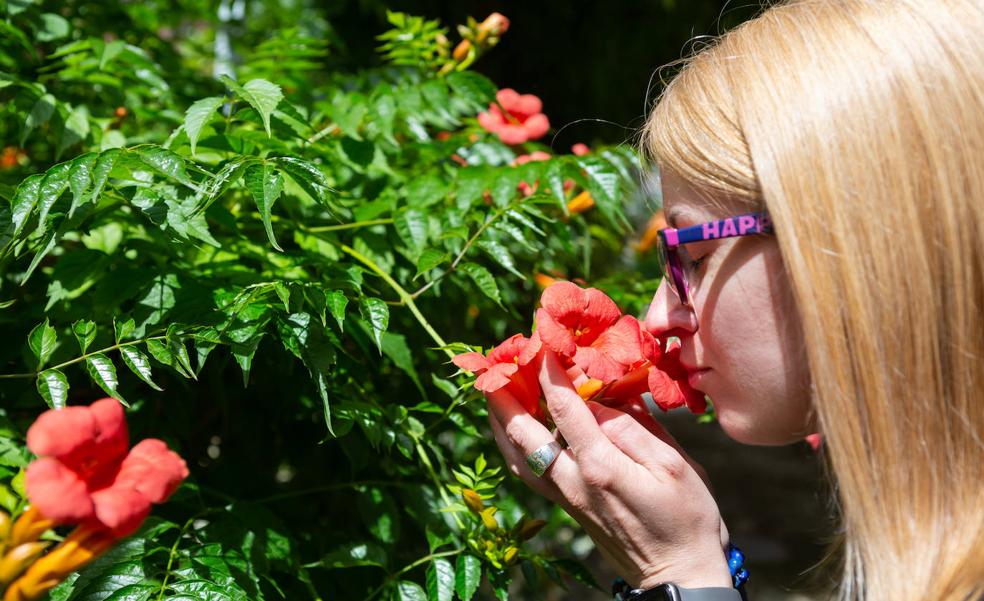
(536, 126)
(623, 342)
(153, 470)
(476, 363)
(600, 312)
(60, 432)
(496, 377)
(554, 335)
(665, 390)
(57, 491)
(121, 508)
(598, 365)
(512, 134)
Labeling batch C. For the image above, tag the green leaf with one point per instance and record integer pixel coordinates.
(103, 373)
(85, 333)
(24, 202)
(76, 129)
(262, 95)
(409, 591)
(501, 255)
(158, 350)
(179, 351)
(100, 173)
(380, 514)
(483, 279)
(53, 386)
(138, 364)
(123, 329)
(55, 182)
(265, 183)
(440, 581)
(499, 579)
(165, 162)
(197, 115)
(40, 114)
(337, 301)
(429, 259)
(80, 178)
(376, 312)
(467, 576)
(354, 555)
(411, 225)
(42, 340)
(395, 347)
(307, 175)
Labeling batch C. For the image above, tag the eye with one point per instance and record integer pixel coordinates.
(695, 264)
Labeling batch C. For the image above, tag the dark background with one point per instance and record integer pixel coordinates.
(590, 62)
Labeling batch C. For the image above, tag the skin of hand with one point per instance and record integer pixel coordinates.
(635, 492)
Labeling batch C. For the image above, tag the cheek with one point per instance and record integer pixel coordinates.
(751, 338)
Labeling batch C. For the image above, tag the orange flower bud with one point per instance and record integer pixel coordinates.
(120, 112)
(16, 560)
(473, 500)
(28, 527)
(530, 528)
(649, 235)
(543, 280)
(461, 50)
(494, 24)
(79, 548)
(580, 203)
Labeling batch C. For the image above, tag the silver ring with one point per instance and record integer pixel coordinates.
(540, 459)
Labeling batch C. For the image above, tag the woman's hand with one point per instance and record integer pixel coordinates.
(637, 495)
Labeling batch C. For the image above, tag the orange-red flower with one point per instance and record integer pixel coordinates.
(585, 326)
(494, 24)
(522, 120)
(536, 155)
(85, 475)
(513, 365)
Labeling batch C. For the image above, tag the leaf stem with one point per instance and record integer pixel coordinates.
(347, 226)
(80, 358)
(403, 294)
(410, 566)
(460, 255)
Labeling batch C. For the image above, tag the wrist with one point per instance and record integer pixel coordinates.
(709, 571)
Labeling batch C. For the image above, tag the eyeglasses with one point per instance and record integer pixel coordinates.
(671, 240)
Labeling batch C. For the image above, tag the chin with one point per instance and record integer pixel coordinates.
(746, 429)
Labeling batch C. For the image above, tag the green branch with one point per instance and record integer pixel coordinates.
(410, 566)
(81, 358)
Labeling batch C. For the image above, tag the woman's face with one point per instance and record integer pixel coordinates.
(742, 327)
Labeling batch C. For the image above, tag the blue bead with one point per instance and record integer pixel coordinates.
(734, 564)
(736, 552)
(742, 576)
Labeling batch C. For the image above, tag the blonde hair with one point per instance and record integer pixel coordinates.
(859, 125)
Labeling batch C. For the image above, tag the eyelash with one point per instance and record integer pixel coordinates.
(695, 265)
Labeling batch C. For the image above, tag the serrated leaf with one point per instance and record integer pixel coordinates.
(411, 225)
(123, 329)
(262, 95)
(24, 202)
(376, 312)
(307, 175)
(197, 115)
(85, 333)
(42, 340)
(80, 178)
(165, 162)
(429, 259)
(53, 387)
(440, 580)
(138, 364)
(103, 373)
(182, 361)
(467, 576)
(501, 254)
(158, 350)
(265, 184)
(100, 173)
(337, 301)
(483, 279)
(410, 591)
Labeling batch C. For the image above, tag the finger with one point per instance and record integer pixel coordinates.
(630, 437)
(517, 462)
(526, 434)
(572, 416)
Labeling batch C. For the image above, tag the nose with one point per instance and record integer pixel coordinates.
(667, 316)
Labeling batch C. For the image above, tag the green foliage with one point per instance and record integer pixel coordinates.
(272, 267)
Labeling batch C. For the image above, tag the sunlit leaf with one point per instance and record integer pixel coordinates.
(53, 387)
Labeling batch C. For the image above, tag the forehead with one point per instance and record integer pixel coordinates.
(687, 205)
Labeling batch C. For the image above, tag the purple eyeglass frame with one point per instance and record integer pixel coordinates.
(672, 238)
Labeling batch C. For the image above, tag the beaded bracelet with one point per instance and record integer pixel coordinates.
(739, 575)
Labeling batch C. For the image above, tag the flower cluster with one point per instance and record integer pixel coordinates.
(519, 119)
(609, 356)
(85, 475)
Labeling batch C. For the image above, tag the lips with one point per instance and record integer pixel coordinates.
(694, 376)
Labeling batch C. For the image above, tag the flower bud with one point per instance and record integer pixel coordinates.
(581, 203)
(461, 50)
(530, 528)
(473, 500)
(28, 527)
(510, 555)
(488, 518)
(16, 560)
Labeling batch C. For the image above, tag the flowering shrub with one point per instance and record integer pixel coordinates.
(265, 256)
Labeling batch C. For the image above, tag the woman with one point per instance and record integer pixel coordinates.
(858, 126)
